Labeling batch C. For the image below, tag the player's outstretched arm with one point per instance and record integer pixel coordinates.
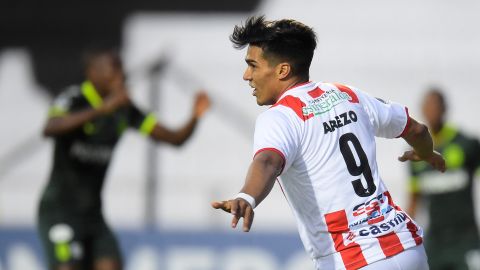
(420, 139)
(263, 171)
(61, 125)
(181, 135)
(57, 126)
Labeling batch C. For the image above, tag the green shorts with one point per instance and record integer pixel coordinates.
(72, 240)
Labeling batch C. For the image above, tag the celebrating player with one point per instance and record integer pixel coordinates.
(319, 138)
(86, 122)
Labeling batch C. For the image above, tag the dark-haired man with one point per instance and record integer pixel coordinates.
(452, 239)
(318, 138)
(86, 122)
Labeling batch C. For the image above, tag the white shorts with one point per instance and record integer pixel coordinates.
(413, 258)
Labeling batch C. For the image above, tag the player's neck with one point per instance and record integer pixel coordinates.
(292, 83)
(288, 84)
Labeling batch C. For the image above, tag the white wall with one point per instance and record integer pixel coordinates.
(392, 49)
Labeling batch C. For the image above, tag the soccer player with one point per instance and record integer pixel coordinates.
(86, 122)
(319, 139)
(452, 235)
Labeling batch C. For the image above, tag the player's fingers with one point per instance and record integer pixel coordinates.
(235, 220)
(203, 98)
(404, 157)
(218, 205)
(440, 165)
(237, 211)
(437, 161)
(202, 104)
(234, 207)
(436, 166)
(248, 219)
(224, 205)
(410, 155)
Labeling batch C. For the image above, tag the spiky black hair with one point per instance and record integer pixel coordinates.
(285, 40)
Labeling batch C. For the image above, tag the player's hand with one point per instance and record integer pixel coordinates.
(114, 101)
(239, 208)
(118, 94)
(435, 159)
(201, 105)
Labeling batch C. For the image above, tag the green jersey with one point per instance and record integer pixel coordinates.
(81, 157)
(449, 194)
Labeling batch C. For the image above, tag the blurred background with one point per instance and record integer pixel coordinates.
(157, 198)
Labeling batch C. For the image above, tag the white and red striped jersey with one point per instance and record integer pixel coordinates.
(325, 133)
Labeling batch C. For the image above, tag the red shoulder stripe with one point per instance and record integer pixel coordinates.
(316, 92)
(296, 105)
(348, 91)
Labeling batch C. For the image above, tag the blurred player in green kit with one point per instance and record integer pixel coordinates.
(86, 122)
(452, 236)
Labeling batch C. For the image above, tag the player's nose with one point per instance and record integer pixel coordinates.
(247, 75)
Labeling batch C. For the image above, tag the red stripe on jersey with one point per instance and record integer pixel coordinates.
(348, 91)
(351, 254)
(407, 126)
(390, 200)
(413, 230)
(316, 92)
(296, 105)
(276, 151)
(410, 225)
(390, 244)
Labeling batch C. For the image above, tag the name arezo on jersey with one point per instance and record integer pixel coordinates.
(325, 102)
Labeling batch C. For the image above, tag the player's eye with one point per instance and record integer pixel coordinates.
(251, 64)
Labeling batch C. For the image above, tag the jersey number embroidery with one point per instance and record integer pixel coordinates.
(353, 168)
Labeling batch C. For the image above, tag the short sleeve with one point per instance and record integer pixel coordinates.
(389, 119)
(274, 131)
(141, 121)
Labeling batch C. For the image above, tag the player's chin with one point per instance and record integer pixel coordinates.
(262, 102)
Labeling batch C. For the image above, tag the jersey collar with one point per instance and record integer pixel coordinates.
(295, 86)
(91, 94)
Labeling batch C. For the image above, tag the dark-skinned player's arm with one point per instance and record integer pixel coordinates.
(418, 137)
(61, 125)
(65, 123)
(181, 135)
(261, 176)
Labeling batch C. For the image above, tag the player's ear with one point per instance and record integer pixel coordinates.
(283, 70)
